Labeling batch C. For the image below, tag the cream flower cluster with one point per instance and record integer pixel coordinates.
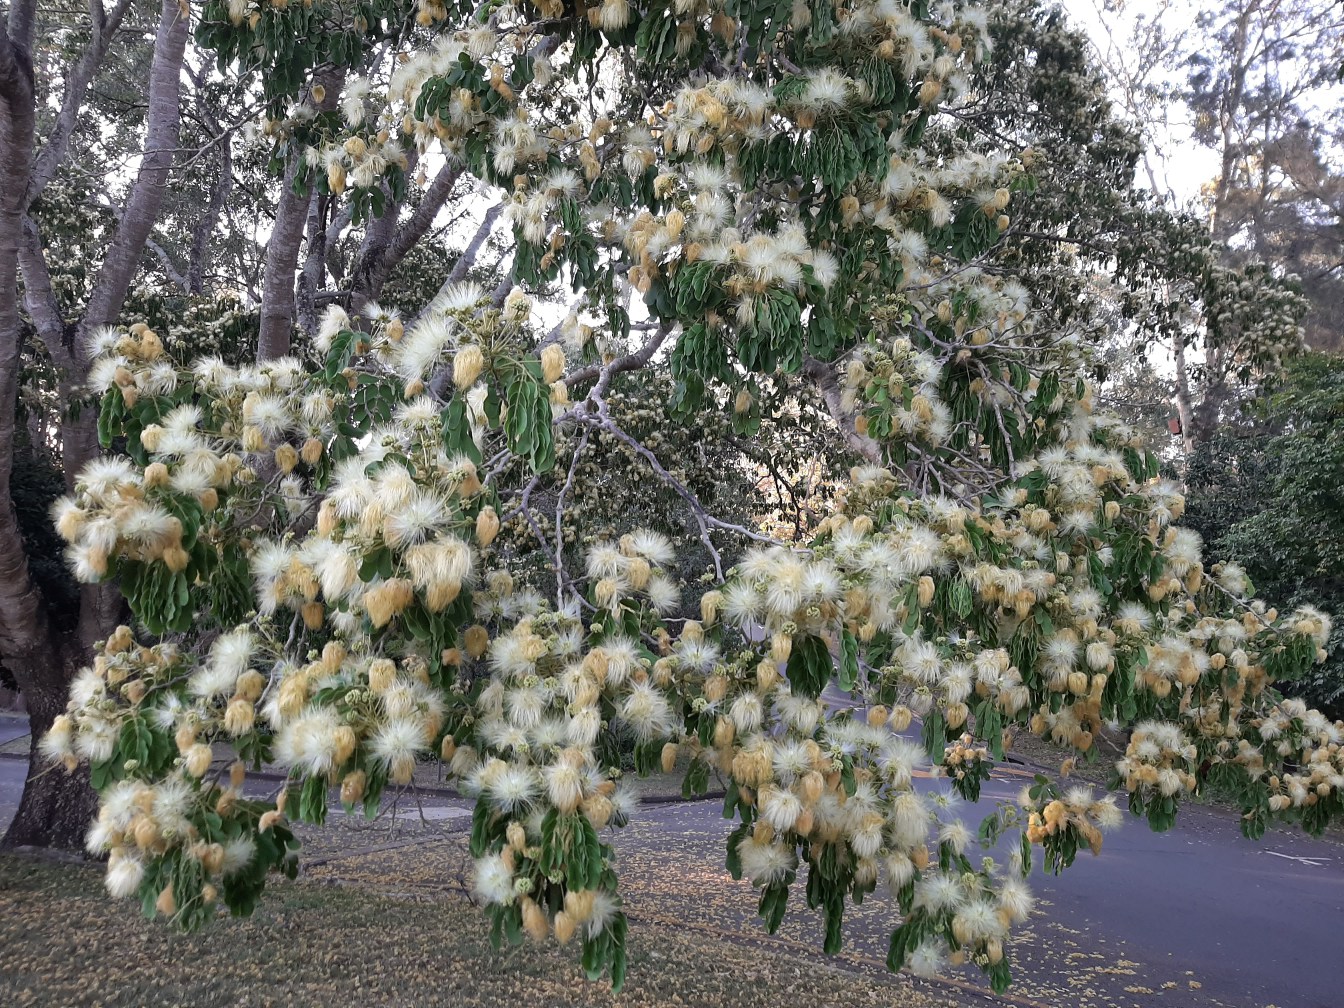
(157, 808)
(883, 378)
(1309, 744)
(1076, 809)
(820, 779)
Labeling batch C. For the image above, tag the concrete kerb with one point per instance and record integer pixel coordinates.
(434, 791)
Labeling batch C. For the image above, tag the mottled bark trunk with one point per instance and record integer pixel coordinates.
(314, 273)
(54, 811)
(1184, 408)
(56, 806)
(151, 181)
(282, 250)
(282, 257)
(45, 650)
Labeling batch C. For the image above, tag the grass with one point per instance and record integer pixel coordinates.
(63, 942)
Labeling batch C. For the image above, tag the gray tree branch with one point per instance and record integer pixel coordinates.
(52, 155)
(282, 250)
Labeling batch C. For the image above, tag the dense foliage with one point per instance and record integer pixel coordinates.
(311, 545)
(1264, 495)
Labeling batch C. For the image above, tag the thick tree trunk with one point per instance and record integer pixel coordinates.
(56, 806)
(42, 649)
(54, 811)
(282, 257)
(282, 250)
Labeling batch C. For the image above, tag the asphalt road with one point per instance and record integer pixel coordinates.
(1196, 917)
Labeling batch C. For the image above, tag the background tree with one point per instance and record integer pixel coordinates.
(1252, 83)
(1261, 495)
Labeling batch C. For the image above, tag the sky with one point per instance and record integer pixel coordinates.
(1180, 165)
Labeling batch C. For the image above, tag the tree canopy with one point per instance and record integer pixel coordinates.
(795, 259)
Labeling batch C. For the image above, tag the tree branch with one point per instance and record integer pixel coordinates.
(282, 250)
(53, 152)
(169, 267)
(823, 377)
(40, 300)
(151, 181)
(386, 248)
(203, 233)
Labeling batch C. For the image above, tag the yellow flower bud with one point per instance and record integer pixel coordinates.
(198, 759)
(165, 904)
(467, 366)
(552, 363)
(477, 638)
(286, 458)
(487, 525)
(352, 787)
(156, 475)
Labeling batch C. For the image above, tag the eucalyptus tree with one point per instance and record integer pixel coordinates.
(1253, 83)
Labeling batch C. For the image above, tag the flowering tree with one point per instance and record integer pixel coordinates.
(311, 547)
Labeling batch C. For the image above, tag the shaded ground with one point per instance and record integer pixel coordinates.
(63, 943)
(1195, 918)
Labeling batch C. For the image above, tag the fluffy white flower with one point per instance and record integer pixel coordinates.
(309, 741)
(492, 882)
(124, 875)
(765, 863)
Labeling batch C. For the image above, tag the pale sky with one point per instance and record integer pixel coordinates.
(1180, 165)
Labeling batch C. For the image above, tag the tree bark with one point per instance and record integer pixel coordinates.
(1184, 408)
(282, 250)
(151, 181)
(386, 245)
(54, 810)
(198, 264)
(44, 652)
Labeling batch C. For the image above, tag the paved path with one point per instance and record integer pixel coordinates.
(1194, 918)
(13, 726)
